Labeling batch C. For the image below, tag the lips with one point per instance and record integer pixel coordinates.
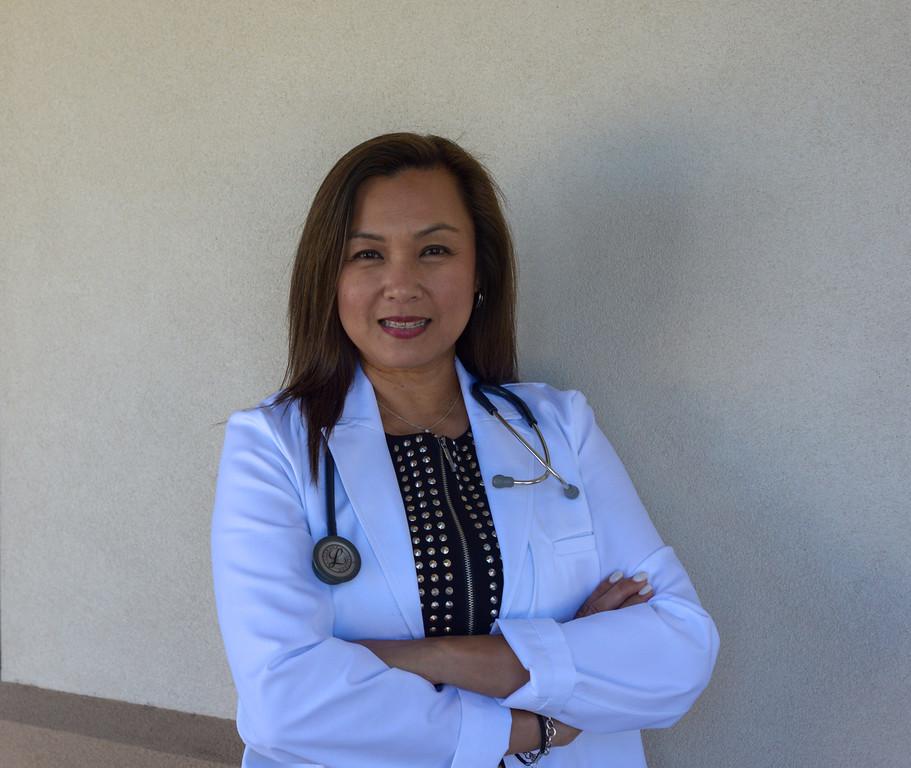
(409, 321)
(404, 326)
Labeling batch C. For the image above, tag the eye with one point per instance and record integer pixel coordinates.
(436, 250)
(364, 255)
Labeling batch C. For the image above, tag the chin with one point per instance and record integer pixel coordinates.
(408, 358)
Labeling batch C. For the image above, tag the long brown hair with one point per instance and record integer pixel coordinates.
(321, 357)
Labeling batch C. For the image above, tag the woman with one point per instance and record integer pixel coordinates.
(458, 621)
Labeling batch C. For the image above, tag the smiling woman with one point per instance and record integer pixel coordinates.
(384, 597)
(403, 228)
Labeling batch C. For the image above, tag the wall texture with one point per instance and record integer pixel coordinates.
(711, 207)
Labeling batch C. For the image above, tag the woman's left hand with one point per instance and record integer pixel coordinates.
(616, 592)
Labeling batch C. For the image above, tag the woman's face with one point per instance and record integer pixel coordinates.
(408, 278)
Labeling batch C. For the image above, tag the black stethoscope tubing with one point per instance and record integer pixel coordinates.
(336, 559)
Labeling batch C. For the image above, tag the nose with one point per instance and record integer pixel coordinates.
(402, 280)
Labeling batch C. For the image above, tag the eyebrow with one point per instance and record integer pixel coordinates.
(417, 235)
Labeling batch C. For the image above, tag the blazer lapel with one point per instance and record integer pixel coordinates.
(499, 453)
(358, 445)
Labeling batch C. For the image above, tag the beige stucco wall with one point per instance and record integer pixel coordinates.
(711, 207)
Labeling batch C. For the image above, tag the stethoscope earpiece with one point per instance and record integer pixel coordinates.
(505, 481)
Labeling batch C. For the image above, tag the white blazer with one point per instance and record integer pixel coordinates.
(309, 697)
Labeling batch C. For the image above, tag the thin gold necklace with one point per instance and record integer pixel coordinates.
(441, 439)
(419, 426)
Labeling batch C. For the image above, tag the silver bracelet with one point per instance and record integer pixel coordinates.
(548, 732)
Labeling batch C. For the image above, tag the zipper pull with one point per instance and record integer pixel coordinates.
(446, 453)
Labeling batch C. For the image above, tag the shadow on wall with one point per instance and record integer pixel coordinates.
(683, 299)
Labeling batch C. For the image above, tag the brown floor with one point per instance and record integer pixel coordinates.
(49, 729)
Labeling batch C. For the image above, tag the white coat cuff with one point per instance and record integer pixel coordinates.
(541, 647)
(485, 730)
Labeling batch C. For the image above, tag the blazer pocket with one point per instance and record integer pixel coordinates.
(574, 571)
(577, 543)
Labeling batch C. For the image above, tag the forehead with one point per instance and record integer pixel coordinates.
(410, 199)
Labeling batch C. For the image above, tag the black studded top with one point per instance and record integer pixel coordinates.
(456, 554)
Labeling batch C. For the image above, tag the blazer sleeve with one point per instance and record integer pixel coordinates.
(637, 667)
(305, 696)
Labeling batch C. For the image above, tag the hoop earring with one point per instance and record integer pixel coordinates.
(479, 301)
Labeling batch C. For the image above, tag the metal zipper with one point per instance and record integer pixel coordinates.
(446, 453)
(455, 518)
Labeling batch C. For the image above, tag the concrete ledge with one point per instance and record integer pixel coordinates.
(162, 730)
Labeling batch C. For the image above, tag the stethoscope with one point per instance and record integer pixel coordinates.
(336, 559)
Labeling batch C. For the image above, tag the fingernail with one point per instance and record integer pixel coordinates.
(615, 577)
(641, 576)
(646, 589)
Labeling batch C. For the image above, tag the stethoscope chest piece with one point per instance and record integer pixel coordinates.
(335, 560)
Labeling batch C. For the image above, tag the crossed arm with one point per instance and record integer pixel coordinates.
(487, 665)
